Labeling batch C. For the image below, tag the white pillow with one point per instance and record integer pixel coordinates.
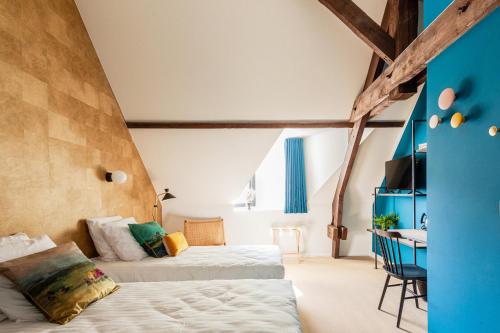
(13, 238)
(9, 240)
(14, 305)
(12, 302)
(120, 238)
(23, 247)
(105, 251)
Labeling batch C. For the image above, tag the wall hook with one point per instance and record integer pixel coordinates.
(434, 121)
(493, 130)
(446, 98)
(457, 120)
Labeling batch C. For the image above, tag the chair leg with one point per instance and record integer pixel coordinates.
(415, 291)
(401, 303)
(383, 291)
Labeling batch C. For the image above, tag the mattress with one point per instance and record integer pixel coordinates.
(184, 306)
(202, 263)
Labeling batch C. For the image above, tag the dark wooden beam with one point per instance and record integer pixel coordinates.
(364, 27)
(376, 67)
(406, 32)
(454, 21)
(261, 124)
(336, 230)
(407, 24)
(345, 173)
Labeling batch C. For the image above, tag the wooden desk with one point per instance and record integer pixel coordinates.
(417, 235)
(410, 236)
(414, 238)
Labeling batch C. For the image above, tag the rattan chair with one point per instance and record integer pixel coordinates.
(206, 232)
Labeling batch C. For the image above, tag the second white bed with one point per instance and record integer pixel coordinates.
(202, 263)
(188, 306)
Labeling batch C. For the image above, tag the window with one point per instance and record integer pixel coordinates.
(248, 197)
(268, 182)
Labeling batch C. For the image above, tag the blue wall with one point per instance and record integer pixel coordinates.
(464, 183)
(403, 206)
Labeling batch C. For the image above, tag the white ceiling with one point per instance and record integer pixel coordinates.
(228, 59)
(225, 60)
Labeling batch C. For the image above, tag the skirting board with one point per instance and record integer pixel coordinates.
(307, 255)
(379, 257)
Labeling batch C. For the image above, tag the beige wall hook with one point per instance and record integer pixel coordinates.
(492, 131)
(446, 99)
(434, 121)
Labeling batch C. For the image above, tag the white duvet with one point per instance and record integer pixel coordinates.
(187, 306)
(202, 263)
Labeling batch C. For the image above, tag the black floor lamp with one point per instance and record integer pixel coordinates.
(166, 195)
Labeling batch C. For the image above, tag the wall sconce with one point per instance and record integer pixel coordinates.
(117, 176)
(493, 131)
(434, 121)
(166, 195)
(446, 99)
(457, 120)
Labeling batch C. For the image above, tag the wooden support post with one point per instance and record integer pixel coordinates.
(335, 230)
(345, 173)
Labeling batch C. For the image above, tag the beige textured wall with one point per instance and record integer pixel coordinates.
(60, 128)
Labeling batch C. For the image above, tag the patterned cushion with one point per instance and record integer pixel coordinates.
(175, 243)
(61, 282)
(150, 236)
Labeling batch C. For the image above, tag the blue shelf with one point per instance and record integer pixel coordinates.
(404, 195)
(386, 201)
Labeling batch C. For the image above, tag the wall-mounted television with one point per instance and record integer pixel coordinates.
(398, 173)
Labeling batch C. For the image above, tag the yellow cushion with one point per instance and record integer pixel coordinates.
(175, 243)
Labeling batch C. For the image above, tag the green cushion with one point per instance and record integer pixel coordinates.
(150, 236)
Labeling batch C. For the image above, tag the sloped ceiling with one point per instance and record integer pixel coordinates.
(228, 59)
(203, 167)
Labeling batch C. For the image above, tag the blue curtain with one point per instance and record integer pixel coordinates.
(295, 181)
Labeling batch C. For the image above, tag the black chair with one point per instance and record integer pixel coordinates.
(393, 265)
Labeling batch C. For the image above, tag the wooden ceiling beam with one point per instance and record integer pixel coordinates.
(454, 21)
(260, 124)
(364, 27)
(405, 33)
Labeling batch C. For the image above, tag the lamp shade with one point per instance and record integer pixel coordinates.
(117, 176)
(167, 195)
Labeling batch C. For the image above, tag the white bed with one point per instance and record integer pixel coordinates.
(187, 306)
(201, 263)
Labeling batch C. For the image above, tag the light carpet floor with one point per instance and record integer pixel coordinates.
(342, 295)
